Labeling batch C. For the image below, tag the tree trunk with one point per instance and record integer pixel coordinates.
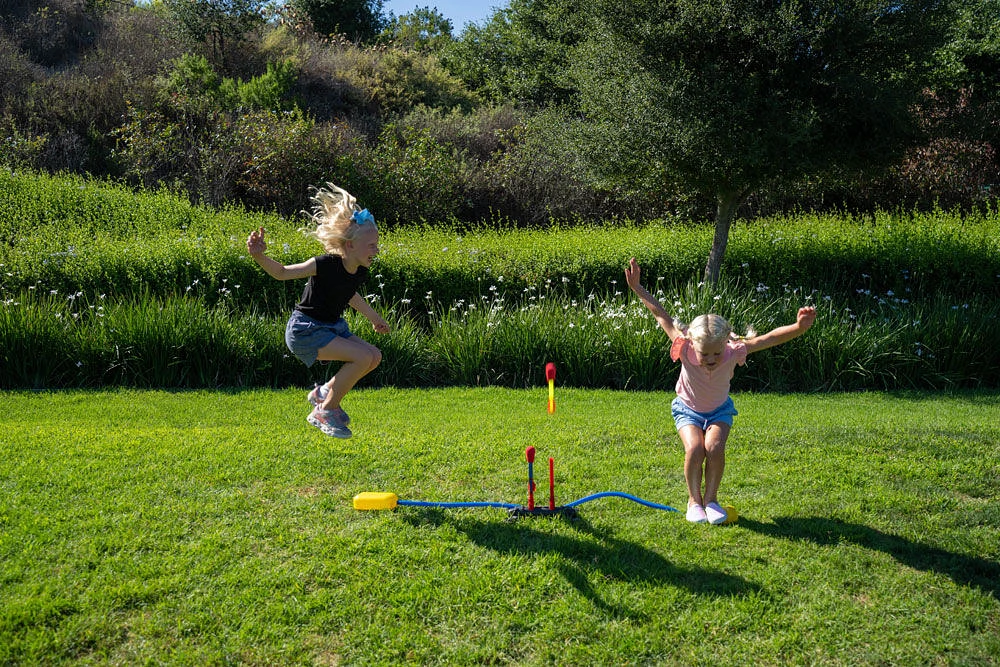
(724, 214)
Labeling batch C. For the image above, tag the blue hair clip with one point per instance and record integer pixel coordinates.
(363, 217)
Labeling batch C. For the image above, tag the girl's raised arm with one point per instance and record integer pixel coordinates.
(805, 319)
(257, 248)
(633, 278)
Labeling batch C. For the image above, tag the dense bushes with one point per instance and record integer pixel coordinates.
(102, 286)
(72, 234)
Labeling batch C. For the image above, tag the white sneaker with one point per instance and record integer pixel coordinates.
(715, 514)
(696, 514)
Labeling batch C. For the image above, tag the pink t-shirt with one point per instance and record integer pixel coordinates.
(704, 390)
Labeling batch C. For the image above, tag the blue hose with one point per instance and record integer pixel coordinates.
(619, 494)
(426, 503)
(595, 496)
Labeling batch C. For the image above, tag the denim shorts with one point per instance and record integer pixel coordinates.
(305, 336)
(684, 415)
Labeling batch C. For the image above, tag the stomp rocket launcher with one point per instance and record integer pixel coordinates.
(381, 500)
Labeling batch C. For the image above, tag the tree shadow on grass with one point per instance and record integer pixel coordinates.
(594, 551)
(963, 570)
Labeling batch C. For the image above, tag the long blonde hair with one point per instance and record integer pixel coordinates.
(711, 329)
(332, 211)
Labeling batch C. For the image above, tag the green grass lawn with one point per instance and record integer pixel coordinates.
(210, 527)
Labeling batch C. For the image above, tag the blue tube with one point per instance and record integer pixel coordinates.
(508, 506)
(619, 494)
(425, 503)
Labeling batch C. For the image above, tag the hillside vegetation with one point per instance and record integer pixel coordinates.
(104, 286)
(253, 103)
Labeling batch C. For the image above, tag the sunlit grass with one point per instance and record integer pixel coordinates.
(212, 527)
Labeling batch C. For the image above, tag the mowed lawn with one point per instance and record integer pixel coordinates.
(217, 528)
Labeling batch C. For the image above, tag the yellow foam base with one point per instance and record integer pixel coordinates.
(732, 516)
(375, 500)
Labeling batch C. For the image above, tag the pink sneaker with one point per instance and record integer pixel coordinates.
(329, 422)
(316, 397)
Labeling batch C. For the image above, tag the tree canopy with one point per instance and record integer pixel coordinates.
(424, 29)
(360, 20)
(727, 96)
(522, 53)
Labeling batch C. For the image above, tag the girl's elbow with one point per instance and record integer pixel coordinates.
(286, 273)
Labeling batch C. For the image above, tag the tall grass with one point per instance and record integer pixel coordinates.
(906, 300)
(72, 235)
(53, 340)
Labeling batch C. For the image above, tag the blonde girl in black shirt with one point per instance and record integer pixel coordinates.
(317, 331)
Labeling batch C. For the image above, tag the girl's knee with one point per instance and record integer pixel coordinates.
(376, 357)
(695, 450)
(715, 448)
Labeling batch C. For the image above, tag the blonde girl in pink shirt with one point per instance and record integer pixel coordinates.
(703, 410)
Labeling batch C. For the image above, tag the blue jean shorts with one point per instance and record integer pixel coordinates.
(685, 416)
(305, 336)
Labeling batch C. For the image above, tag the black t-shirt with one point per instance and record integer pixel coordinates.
(328, 293)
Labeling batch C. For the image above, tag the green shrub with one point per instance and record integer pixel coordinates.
(398, 80)
(18, 149)
(538, 176)
(192, 87)
(269, 90)
(224, 140)
(412, 178)
(50, 340)
(262, 159)
(72, 234)
(284, 154)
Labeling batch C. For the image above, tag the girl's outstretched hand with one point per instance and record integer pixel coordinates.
(806, 317)
(255, 243)
(633, 274)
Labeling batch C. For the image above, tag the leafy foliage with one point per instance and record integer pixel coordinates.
(423, 29)
(360, 20)
(216, 22)
(193, 88)
(52, 33)
(727, 97)
(522, 53)
(147, 289)
(400, 80)
(428, 191)
(108, 90)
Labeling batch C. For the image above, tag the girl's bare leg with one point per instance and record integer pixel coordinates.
(359, 357)
(704, 449)
(715, 459)
(695, 454)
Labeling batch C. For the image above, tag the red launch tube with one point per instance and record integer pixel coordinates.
(552, 485)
